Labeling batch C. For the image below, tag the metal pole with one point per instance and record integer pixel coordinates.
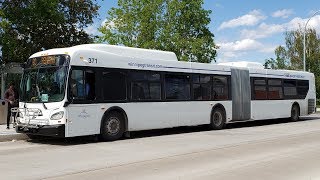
(304, 49)
(304, 41)
(2, 85)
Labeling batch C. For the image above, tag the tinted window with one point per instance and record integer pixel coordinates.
(303, 83)
(205, 79)
(260, 92)
(260, 89)
(177, 87)
(145, 76)
(220, 88)
(289, 83)
(202, 87)
(275, 89)
(289, 88)
(114, 86)
(275, 92)
(274, 82)
(259, 81)
(302, 88)
(83, 84)
(145, 86)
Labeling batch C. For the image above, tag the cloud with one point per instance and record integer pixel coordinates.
(284, 13)
(250, 19)
(242, 45)
(238, 50)
(264, 30)
(297, 22)
(92, 30)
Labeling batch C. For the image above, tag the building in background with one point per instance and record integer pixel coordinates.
(10, 72)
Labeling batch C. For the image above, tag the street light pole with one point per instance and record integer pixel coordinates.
(304, 40)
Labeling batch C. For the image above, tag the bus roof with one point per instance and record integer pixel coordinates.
(131, 52)
(145, 59)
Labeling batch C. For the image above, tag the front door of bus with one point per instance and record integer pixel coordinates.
(241, 94)
(82, 112)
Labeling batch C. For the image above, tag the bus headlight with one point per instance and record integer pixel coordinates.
(57, 115)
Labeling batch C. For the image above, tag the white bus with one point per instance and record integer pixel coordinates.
(105, 90)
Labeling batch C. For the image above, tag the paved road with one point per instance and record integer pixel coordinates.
(245, 151)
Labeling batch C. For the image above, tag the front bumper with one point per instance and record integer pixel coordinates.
(42, 130)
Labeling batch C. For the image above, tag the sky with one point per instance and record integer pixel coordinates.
(246, 30)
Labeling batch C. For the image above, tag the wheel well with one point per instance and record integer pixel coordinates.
(120, 111)
(220, 106)
(296, 104)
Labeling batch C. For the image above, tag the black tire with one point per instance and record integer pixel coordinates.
(112, 127)
(218, 119)
(295, 113)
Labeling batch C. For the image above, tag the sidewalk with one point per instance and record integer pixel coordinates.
(10, 134)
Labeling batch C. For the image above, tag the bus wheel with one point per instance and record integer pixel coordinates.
(295, 112)
(218, 119)
(112, 127)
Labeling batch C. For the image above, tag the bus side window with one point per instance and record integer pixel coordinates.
(220, 87)
(260, 89)
(114, 86)
(82, 85)
(77, 84)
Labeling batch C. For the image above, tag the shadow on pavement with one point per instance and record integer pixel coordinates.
(163, 132)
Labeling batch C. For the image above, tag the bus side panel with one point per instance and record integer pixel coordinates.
(198, 112)
(271, 109)
(151, 115)
(157, 115)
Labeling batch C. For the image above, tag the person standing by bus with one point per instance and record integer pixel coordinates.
(11, 96)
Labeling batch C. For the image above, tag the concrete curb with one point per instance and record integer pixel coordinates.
(12, 137)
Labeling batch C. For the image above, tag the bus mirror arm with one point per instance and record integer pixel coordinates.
(67, 103)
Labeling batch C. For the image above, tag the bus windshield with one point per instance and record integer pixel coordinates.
(44, 83)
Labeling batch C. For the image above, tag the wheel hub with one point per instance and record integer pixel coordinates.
(217, 118)
(113, 126)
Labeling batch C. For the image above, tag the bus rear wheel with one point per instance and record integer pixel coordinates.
(295, 113)
(218, 119)
(112, 127)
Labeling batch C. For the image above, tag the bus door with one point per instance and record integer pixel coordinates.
(83, 111)
(241, 94)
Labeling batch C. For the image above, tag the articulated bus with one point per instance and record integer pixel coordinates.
(105, 90)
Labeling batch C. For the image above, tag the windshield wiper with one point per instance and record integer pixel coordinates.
(38, 92)
(45, 107)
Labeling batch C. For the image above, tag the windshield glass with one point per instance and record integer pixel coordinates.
(44, 84)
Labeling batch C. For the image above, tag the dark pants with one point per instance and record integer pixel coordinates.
(9, 115)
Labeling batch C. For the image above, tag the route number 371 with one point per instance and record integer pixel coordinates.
(93, 60)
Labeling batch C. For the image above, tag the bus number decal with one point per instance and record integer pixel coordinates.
(93, 60)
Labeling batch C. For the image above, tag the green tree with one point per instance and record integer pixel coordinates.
(291, 56)
(29, 26)
(281, 61)
(180, 26)
(281, 58)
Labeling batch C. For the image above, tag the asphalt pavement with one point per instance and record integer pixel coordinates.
(274, 149)
(12, 135)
